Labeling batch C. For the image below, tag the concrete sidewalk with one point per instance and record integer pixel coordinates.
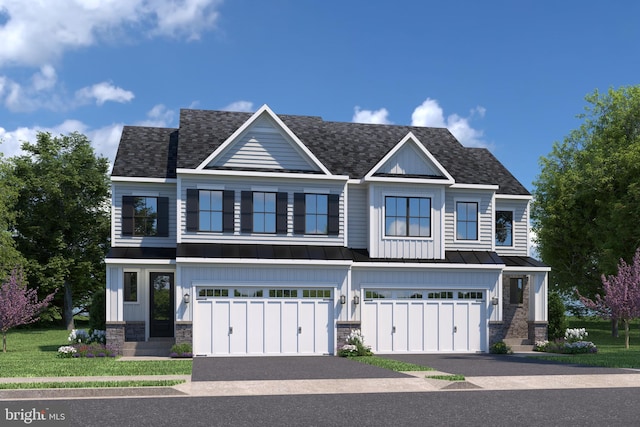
(415, 382)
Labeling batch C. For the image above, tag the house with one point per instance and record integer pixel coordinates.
(268, 234)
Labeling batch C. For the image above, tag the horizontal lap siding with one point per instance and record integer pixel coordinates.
(238, 186)
(485, 220)
(423, 279)
(520, 226)
(143, 189)
(358, 217)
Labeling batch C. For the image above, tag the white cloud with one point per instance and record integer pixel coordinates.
(241, 106)
(430, 114)
(103, 92)
(158, 116)
(38, 33)
(371, 116)
(45, 79)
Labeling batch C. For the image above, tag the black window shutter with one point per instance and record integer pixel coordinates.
(193, 208)
(299, 213)
(163, 217)
(246, 212)
(127, 215)
(282, 200)
(228, 202)
(334, 214)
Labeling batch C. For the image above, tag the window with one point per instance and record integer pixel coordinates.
(470, 295)
(210, 212)
(130, 287)
(316, 293)
(377, 294)
(283, 293)
(248, 293)
(516, 291)
(504, 228)
(214, 292)
(145, 216)
(440, 295)
(408, 216)
(316, 214)
(264, 212)
(467, 220)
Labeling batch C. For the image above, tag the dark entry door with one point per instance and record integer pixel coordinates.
(162, 305)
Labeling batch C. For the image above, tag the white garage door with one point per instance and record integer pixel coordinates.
(255, 321)
(404, 321)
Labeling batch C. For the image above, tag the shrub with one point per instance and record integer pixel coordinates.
(181, 350)
(557, 317)
(78, 336)
(98, 311)
(500, 347)
(86, 350)
(355, 345)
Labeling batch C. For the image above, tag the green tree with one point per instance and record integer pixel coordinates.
(586, 207)
(62, 217)
(10, 258)
(557, 317)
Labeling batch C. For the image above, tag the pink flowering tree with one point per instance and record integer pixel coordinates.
(621, 299)
(18, 305)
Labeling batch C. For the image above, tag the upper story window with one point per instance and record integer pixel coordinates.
(145, 216)
(504, 228)
(210, 210)
(130, 286)
(263, 212)
(316, 214)
(408, 216)
(467, 220)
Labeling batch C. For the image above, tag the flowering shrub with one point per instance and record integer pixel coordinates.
(575, 335)
(78, 336)
(355, 345)
(573, 343)
(67, 351)
(181, 350)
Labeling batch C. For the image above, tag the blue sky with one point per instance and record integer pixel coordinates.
(507, 75)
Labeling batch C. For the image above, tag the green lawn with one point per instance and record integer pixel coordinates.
(33, 353)
(393, 365)
(611, 352)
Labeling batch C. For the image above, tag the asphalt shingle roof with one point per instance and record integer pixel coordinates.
(351, 149)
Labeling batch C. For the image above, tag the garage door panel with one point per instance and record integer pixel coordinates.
(431, 326)
(272, 332)
(255, 328)
(307, 327)
(400, 328)
(238, 335)
(289, 327)
(221, 327)
(202, 328)
(385, 326)
(445, 327)
(417, 323)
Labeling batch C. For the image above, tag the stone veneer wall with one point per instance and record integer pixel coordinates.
(115, 336)
(134, 331)
(538, 331)
(184, 333)
(515, 316)
(343, 329)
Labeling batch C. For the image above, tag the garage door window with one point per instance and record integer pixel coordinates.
(471, 295)
(213, 292)
(316, 293)
(248, 293)
(440, 295)
(283, 293)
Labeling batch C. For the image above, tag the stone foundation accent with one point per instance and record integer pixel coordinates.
(538, 331)
(134, 331)
(343, 329)
(515, 316)
(184, 333)
(496, 332)
(115, 336)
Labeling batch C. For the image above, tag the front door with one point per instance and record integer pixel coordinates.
(161, 310)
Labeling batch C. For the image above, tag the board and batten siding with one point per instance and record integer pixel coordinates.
(520, 226)
(409, 161)
(358, 217)
(382, 246)
(264, 146)
(121, 189)
(240, 185)
(485, 220)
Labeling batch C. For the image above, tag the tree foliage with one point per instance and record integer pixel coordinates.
(18, 305)
(62, 221)
(557, 318)
(621, 300)
(10, 257)
(587, 196)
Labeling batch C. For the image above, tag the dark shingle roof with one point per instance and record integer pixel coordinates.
(351, 149)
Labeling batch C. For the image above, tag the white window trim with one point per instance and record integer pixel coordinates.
(139, 276)
(455, 219)
(513, 228)
(383, 216)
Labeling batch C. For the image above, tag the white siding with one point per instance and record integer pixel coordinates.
(408, 160)
(520, 226)
(358, 217)
(239, 185)
(265, 146)
(485, 220)
(382, 246)
(142, 189)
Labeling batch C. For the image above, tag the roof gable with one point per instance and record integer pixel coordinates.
(410, 158)
(263, 142)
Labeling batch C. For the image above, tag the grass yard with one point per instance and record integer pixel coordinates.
(33, 353)
(611, 352)
(393, 365)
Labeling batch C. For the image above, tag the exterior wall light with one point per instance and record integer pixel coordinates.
(356, 300)
(186, 298)
(494, 300)
(343, 299)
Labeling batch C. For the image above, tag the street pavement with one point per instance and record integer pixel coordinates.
(272, 376)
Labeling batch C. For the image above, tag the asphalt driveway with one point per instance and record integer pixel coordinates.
(480, 365)
(330, 367)
(284, 368)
